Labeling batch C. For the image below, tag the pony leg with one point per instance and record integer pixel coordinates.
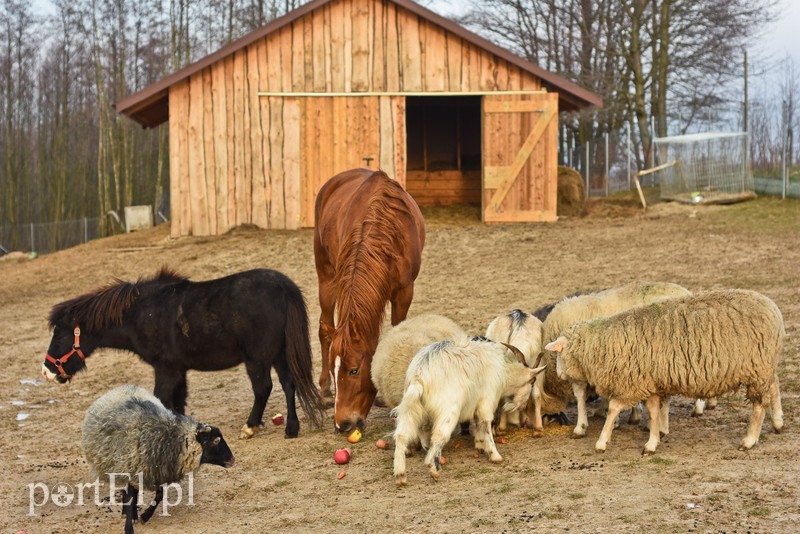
(401, 302)
(654, 411)
(130, 496)
(261, 380)
(614, 407)
(168, 380)
(148, 513)
(292, 422)
(179, 394)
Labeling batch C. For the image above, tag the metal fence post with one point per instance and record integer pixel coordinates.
(607, 177)
(628, 149)
(85, 230)
(33, 246)
(587, 168)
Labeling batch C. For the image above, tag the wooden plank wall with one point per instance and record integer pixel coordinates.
(237, 158)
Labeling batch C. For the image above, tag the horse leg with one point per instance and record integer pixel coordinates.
(130, 496)
(167, 381)
(327, 303)
(261, 380)
(292, 422)
(401, 302)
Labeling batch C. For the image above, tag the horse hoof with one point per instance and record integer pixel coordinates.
(249, 431)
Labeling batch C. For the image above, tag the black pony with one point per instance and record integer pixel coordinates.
(258, 317)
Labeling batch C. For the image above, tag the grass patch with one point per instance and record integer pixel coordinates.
(715, 497)
(759, 511)
(658, 460)
(576, 495)
(281, 483)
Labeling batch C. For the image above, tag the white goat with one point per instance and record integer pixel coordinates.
(524, 332)
(449, 382)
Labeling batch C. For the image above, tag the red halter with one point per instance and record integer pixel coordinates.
(76, 349)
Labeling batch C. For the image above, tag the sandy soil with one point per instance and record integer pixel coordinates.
(697, 482)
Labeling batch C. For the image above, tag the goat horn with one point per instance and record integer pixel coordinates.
(538, 360)
(517, 353)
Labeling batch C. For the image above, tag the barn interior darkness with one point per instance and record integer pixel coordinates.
(444, 133)
(444, 149)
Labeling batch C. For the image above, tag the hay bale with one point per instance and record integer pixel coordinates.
(571, 193)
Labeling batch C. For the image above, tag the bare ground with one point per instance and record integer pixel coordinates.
(697, 482)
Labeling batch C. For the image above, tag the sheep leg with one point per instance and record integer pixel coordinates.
(292, 422)
(663, 422)
(614, 407)
(654, 411)
(636, 414)
(148, 513)
(579, 389)
(535, 406)
(754, 427)
(699, 406)
(775, 408)
(261, 381)
(711, 403)
(442, 430)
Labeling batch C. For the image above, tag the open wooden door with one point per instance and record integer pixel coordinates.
(520, 149)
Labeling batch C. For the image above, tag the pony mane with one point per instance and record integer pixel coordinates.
(362, 275)
(106, 305)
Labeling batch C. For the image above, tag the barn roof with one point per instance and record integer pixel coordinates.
(150, 106)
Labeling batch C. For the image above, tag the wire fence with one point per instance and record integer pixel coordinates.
(44, 238)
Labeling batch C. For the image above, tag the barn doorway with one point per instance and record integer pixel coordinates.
(443, 140)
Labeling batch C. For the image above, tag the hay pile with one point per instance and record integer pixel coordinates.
(571, 193)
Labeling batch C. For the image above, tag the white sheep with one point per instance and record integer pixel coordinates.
(571, 310)
(449, 382)
(128, 433)
(524, 332)
(399, 345)
(698, 346)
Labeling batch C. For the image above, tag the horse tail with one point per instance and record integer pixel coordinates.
(298, 355)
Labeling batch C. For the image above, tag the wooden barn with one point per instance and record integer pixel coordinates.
(257, 127)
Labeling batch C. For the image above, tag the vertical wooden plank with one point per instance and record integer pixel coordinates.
(291, 162)
(308, 52)
(264, 119)
(400, 139)
(308, 161)
(258, 179)
(326, 25)
(487, 72)
(197, 175)
(208, 150)
(179, 155)
(378, 47)
(514, 78)
(436, 75)
(393, 82)
(361, 45)
(387, 139)
(475, 58)
(247, 160)
(239, 139)
(233, 124)
(337, 45)
(348, 45)
(319, 44)
(500, 74)
(335, 115)
(298, 58)
(410, 51)
(220, 135)
(551, 157)
(454, 62)
(276, 129)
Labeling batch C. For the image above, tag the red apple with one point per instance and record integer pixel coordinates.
(277, 419)
(381, 443)
(341, 456)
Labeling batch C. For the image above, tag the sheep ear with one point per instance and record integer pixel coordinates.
(558, 345)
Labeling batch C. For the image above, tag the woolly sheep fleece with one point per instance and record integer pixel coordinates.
(572, 310)
(399, 345)
(128, 430)
(702, 346)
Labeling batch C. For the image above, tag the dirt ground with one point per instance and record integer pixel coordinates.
(697, 482)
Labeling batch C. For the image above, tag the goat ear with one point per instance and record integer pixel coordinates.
(535, 372)
(558, 345)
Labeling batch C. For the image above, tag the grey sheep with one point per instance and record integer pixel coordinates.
(699, 346)
(129, 433)
(572, 310)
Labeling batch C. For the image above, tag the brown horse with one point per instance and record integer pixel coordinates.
(368, 241)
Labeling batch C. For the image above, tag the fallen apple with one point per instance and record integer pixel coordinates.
(341, 456)
(355, 436)
(277, 419)
(381, 443)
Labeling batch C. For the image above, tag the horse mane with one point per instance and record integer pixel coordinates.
(362, 278)
(106, 305)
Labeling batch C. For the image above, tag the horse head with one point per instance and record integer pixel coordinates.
(354, 392)
(66, 354)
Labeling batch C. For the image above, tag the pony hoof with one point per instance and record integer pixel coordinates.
(496, 459)
(249, 431)
(435, 475)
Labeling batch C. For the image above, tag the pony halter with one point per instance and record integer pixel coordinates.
(76, 349)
